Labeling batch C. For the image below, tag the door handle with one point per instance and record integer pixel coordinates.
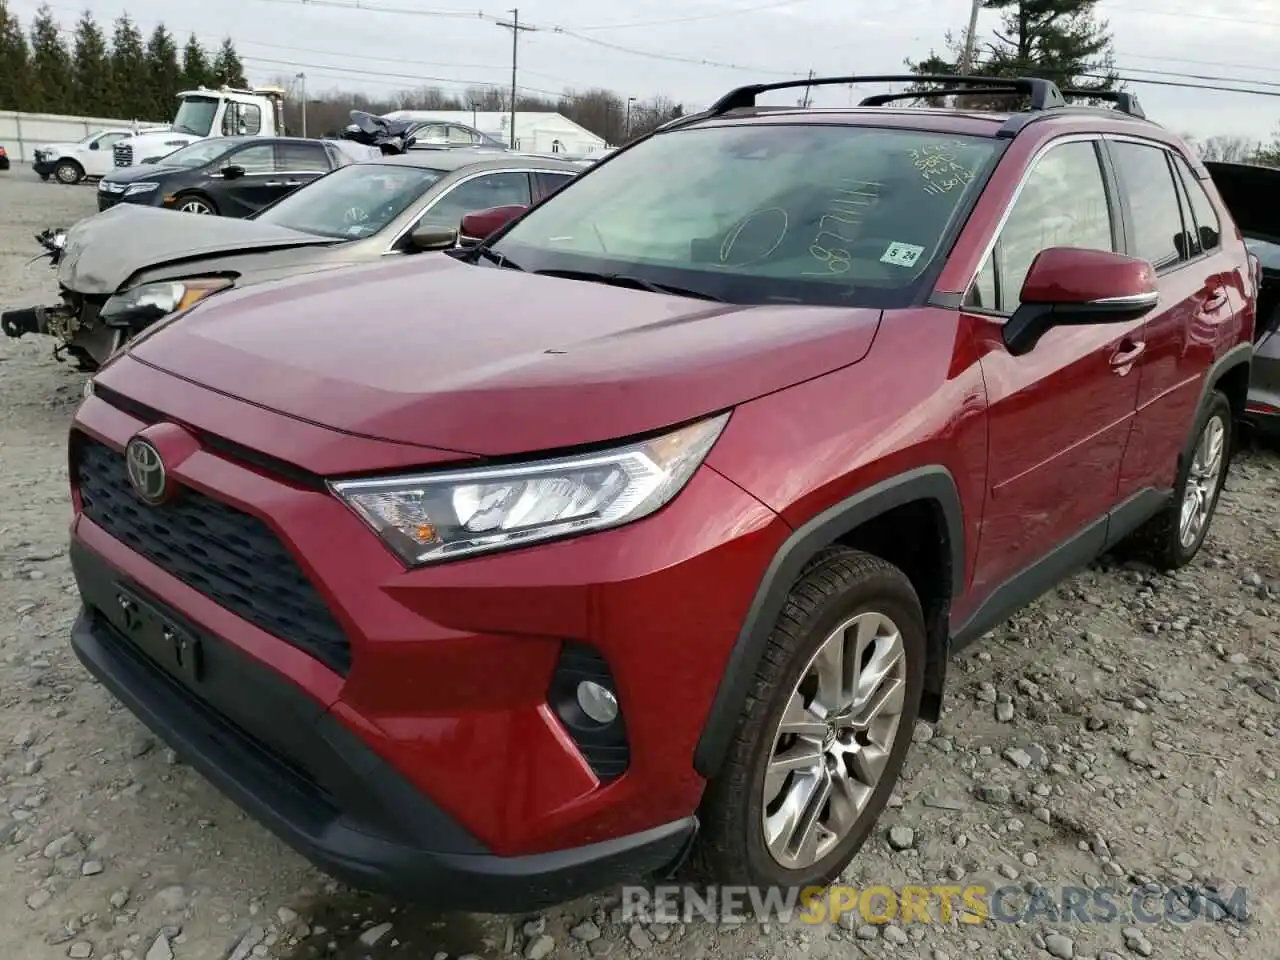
(1124, 358)
(273, 183)
(1217, 300)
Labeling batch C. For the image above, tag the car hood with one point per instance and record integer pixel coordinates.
(143, 171)
(103, 251)
(492, 362)
(58, 147)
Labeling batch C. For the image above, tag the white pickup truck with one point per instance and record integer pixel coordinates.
(90, 158)
(205, 113)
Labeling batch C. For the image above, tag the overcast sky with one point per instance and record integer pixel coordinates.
(693, 50)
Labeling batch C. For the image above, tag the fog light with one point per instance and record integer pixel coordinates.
(597, 702)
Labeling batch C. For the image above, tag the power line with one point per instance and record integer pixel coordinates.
(719, 15)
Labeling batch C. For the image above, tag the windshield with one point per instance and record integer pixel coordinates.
(196, 154)
(818, 214)
(195, 115)
(354, 201)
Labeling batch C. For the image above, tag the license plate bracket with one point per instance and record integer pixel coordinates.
(170, 645)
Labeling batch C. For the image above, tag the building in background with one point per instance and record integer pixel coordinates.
(536, 132)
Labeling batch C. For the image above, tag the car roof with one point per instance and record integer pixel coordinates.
(451, 160)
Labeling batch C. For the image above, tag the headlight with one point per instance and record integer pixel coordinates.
(143, 187)
(446, 515)
(155, 300)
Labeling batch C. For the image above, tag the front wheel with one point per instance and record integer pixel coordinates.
(68, 172)
(824, 732)
(1173, 537)
(197, 205)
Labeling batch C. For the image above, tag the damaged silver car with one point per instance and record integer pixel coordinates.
(122, 270)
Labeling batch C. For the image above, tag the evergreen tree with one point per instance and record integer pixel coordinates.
(16, 87)
(195, 65)
(227, 68)
(165, 74)
(50, 66)
(91, 82)
(1061, 40)
(129, 72)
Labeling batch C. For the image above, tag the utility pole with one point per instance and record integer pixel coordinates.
(627, 123)
(515, 26)
(805, 102)
(302, 84)
(970, 39)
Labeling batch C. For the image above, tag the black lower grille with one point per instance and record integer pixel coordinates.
(226, 554)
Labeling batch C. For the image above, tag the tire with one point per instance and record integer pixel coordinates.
(193, 204)
(68, 172)
(1160, 540)
(837, 587)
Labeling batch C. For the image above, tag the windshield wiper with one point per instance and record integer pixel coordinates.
(495, 258)
(626, 280)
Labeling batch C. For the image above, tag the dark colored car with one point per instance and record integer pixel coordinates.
(4, 159)
(1252, 194)
(121, 271)
(642, 533)
(225, 176)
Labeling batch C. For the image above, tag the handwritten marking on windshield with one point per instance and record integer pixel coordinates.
(726, 248)
(940, 169)
(854, 198)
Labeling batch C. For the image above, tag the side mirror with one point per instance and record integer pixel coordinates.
(232, 170)
(433, 238)
(95, 145)
(1071, 286)
(480, 224)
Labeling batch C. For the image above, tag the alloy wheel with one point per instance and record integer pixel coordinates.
(1202, 481)
(833, 742)
(195, 206)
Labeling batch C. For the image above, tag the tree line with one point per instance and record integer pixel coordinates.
(119, 74)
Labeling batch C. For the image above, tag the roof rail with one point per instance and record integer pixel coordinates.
(1044, 94)
(880, 99)
(1125, 102)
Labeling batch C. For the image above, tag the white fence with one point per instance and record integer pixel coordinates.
(21, 133)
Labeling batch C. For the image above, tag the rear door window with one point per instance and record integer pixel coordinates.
(1147, 181)
(303, 158)
(1208, 229)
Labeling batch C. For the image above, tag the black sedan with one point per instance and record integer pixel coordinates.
(224, 176)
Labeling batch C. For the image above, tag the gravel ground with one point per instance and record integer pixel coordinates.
(1122, 731)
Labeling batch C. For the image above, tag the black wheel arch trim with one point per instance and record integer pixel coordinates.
(1241, 355)
(928, 483)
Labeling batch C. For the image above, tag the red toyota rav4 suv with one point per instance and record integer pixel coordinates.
(494, 578)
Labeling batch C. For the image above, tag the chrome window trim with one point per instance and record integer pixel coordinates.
(422, 212)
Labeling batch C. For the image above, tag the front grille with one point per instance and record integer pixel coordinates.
(122, 154)
(229, 556)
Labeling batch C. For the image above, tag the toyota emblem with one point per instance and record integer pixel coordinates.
(146, 470)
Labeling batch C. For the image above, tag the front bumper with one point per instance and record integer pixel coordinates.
(315, 784)
(448, 672)
(43, 168)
